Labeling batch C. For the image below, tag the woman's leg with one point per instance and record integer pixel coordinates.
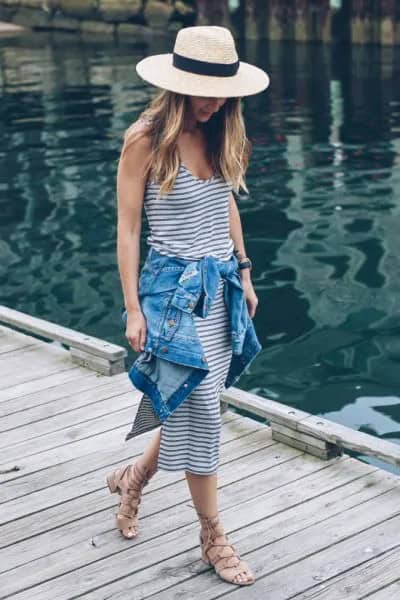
(203, 489)
(150, 454)
(129, 481)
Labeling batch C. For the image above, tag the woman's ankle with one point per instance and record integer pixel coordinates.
(210, 523)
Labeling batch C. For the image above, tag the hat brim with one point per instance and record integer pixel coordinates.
(159, 70)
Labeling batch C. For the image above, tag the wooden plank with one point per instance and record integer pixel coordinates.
(68, 401)
(104, 405)
(309, 516)
(263, 407)
(35, 352)
(360, 581)
(284, 564)
(87, 447)
(174, 507)
(44, 515)
(8, 335)
(95, 442)
(33, 363)
(26, 388)
(53, 440)
(302, 422)
(75, 388)
(97, 363)
(290, 441)
(8, 346)
(158, 567)
(62, 334)
(75, 468)
(301, 437)
(344, 437)
(75, 478)
(335, 555)
(391, 592)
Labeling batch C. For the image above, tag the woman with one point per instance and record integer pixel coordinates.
(181, 160)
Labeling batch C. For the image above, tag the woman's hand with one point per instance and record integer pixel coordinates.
(136, 329)
(250, 295)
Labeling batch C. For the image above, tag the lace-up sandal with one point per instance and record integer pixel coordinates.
(221, 555)
(129, 481)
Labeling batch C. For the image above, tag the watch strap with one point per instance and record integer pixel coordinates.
(245, 264)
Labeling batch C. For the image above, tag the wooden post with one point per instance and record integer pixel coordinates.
(312, 434)
(365, 21)
(301, 24)
(388, 22)
(312, 20)
(213, 12)
(86, 350)
(256, 15)
(301, 20)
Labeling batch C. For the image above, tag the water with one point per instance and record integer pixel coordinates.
(321, 223)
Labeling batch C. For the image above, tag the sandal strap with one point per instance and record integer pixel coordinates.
(136, 478)
(216, 558)
(126, 521)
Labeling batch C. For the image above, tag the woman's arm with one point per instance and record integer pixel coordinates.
(237, 233)
(130, 191)
(237, 237)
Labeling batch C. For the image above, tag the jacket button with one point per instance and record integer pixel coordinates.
(203, 359)
(164, 349)
(171, 322)
(190, 304)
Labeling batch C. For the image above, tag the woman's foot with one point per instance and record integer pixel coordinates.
(218, 552)
(129, 481)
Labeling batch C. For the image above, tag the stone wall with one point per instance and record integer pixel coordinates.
(357, 21)
(100, 16)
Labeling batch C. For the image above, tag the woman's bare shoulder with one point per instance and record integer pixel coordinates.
(141, 147)
(141, 124)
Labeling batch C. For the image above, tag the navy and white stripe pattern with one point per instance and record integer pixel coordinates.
(190, 437)
(190, 222)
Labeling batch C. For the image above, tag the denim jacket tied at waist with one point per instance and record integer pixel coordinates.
(173, 362)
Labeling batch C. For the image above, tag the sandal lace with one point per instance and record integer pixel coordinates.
(214, 530)
(136, 479)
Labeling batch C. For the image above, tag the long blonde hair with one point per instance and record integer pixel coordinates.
(228, 147)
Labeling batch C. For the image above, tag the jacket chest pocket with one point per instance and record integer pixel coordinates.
(171, 321)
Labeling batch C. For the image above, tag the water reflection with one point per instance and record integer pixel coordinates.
(321, 222)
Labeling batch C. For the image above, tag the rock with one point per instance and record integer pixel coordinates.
(78, 8)
(59, 21)
(88, 26)
(45, 5)
(184, 13)
(11, 29)
(133, 30)
(157, 14)
(31, 17)
(119, 10)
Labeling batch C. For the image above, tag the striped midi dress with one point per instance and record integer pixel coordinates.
(190, 222)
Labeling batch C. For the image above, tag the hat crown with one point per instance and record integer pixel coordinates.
(210, 43)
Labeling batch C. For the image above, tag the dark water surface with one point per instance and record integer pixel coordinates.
(321, 223)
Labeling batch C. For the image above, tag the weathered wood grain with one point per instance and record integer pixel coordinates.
(309, 528)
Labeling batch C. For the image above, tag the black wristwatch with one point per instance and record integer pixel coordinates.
(245, 264)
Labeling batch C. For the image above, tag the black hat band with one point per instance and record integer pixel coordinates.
(202, 67)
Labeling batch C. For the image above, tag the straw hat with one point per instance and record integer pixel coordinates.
(204, 62)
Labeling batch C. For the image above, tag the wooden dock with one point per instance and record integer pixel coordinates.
(313, 523)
